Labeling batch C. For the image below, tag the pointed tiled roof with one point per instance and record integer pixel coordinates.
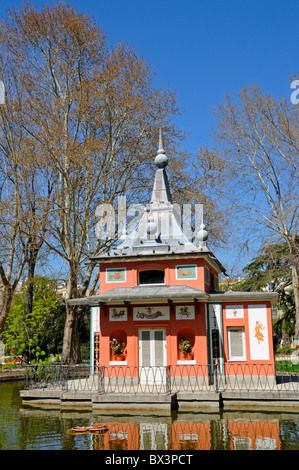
(159, 230)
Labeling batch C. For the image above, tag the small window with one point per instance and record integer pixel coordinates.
(152, 276)
(236, 344)
(207, 275)
(216, 283)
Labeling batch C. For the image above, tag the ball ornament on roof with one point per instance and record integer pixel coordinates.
(202, 236)
(151, 227)
(161, 159)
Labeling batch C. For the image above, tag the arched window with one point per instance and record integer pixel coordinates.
(152, 276)
(186, 334)
(118, 335)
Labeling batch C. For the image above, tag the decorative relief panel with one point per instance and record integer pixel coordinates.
(184, 312)
(186, 271)
(115, 275)
(151, 313)
(118, 314)
(258, 332)
(234, 311)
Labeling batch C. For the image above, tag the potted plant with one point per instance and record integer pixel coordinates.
(117, 349)
(186, 347)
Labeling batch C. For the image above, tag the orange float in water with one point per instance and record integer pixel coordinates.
(79, 429)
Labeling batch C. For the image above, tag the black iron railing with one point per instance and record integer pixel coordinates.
(134, 379)
(59, 376)
(175, 378)
(45, 376)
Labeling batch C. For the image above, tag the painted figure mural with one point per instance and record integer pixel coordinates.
(258, 331)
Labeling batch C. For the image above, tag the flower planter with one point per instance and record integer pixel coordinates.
(119, 357)
(117, 350)
(188, 356)
(185, 350)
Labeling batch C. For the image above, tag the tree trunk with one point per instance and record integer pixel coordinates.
(296, 297)
(71, 339)
(30, 282)
(6, 299)
(8, 289)
(294, 258)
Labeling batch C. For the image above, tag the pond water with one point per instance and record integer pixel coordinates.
(24, 428)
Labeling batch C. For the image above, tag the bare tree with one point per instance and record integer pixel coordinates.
(91, 117)
(24, 196)
(91, 113)
(13, 246)
(258, 136)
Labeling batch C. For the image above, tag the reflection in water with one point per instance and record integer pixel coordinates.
(27, 428)
(199, 432)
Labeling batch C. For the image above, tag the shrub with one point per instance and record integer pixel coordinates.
(285, 350)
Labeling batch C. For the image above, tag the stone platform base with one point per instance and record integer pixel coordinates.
(148, 403)
(160, 403)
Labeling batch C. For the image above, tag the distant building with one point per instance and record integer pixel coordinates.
(227, 283)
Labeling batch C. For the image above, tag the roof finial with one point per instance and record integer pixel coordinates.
(161, 159)
(160, 142)
(202, 236)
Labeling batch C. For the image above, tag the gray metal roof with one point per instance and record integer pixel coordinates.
(235, 296)
(154, 292)
(143, 293)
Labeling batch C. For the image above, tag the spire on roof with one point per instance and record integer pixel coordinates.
(159, 230)
(161, 159)
(161, 191)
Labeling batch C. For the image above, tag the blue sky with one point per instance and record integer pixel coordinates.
(204, 49)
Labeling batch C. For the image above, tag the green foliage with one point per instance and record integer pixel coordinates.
(85, 351)
(37, 334)
(287, 366)
(185, 345)
(117, 347)
(284, 350)
(270, 267)
(287, 322)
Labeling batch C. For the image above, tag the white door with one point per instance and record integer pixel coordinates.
(153, 436)
(152, 356)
